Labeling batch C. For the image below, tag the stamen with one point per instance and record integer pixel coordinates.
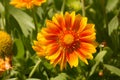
(68, 39)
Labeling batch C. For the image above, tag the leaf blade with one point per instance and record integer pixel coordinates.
(113, 69)
(98, 58)
(113, 25)
(23, 19)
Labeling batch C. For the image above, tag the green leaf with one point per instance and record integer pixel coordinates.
(111, 4)
(40, 12)
(58, 4)
(61, 76)
(50, 12)
(74, 4)
(2, 17)
(23, 19)
(113, 25)
(13, 79)
(98, 58)
(20, 48)
(113, 69)
(109, 54)
(115, 39)
(2, 9)
(33, 79)
(47, 65)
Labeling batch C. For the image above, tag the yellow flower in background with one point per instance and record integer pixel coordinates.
(66, 38)
(5, 64)
(5, 43)
(38, 2)
(26, 3)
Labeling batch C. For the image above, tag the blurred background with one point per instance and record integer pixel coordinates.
(19, 23)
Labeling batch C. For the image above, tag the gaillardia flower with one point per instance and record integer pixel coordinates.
(66, 38)
(5, 44)
(5, 64)
(26, 3)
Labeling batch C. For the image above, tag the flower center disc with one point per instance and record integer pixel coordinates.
(68, 39)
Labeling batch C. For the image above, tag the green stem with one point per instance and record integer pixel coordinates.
(83, 7)
(6, 16)
(63, 6)
(35, 19)
(35, 67)
(2, 25)
(83, 72)
(3, 22)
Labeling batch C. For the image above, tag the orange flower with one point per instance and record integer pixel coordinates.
(26, 3)
(5, 64)
(66, 38)
(39, 2)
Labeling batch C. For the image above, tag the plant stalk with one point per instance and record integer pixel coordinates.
(35, 67)
(35, 19)
(83, 7)
(63, 6)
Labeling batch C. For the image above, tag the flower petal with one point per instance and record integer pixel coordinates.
(39, 2)
(88, 47)
(81, 57)
(72, 59)
(54, 56)
(52, 49)
(26, 3)
(52, 26)
(89, 38)
(57, 60)
(83, 24)
(39, 49)
(84, 54)
(90, 26)
(59, 20)
(63, 61)
(77, 21)
(69, 20)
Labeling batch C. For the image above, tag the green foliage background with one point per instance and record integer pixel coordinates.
(20, 24)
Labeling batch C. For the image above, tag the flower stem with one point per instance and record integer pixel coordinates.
(6, 17)
(35, 19)
(33, 70)
(63, 6)
(3, 23)
(83, 7)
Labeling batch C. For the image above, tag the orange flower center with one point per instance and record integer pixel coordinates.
(68, 39)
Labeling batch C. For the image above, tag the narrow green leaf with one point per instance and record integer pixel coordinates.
(23, 19)
(2, 9)
(51, 12)
(111, 4)
(98, 58)
(20, 48)
(113, 69)
(109, 53)
(32, 79)
(61, 76)
(12, 79)
(113, 25)
(40, 12)
(2, 17)
(100, 55)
